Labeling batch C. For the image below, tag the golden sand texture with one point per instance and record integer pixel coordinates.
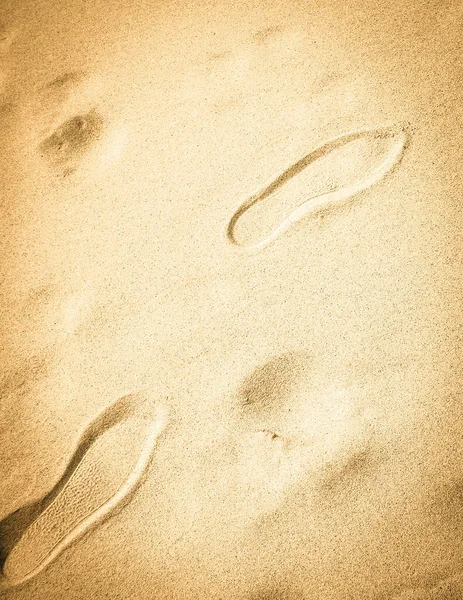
(231, 300)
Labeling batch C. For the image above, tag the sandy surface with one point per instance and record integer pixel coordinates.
(245, 217)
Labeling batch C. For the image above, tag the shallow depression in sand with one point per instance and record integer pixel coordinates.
(70, 128)
(72, 139)
(288, 434)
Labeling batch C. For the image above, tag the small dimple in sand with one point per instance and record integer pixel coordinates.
(450, 588)
(69, 129)
(19, 381)
(7, 37)
(108, 466)
(269, 386)
(71, 140)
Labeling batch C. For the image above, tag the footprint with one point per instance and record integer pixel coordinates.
(326, 177)
(109, 464)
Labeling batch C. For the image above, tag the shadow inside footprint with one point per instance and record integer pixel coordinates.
(110, 462)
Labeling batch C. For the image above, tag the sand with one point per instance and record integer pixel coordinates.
(231, 300)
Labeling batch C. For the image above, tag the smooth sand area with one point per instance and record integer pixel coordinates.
(245, 217)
